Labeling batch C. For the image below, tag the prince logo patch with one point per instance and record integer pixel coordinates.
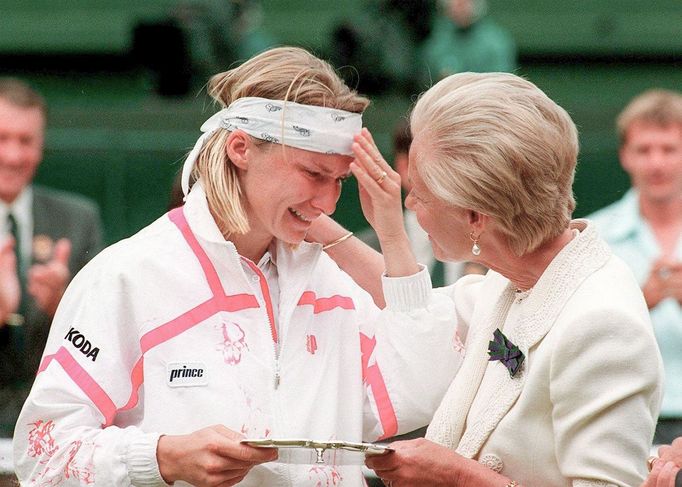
(186, 374)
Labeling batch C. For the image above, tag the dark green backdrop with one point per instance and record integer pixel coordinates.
(113, 139)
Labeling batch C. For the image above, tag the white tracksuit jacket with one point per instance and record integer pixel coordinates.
(163, 333)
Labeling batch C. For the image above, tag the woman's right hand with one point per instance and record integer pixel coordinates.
(380, 190)
(423, 462)
(382, 205)
(211, 457)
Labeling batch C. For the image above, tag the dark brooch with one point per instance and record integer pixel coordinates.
(502, 349)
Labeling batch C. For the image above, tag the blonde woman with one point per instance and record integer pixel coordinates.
(218, 322)
(560, 383)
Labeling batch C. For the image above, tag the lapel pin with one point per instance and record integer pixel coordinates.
(502, 349)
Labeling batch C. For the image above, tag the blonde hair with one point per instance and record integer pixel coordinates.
(284, 73)
(496, 144)
(657, 107)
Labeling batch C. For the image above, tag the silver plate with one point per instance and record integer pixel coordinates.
(319, 446)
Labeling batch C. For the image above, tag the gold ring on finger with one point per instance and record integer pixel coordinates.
(381, 177)
(650, 462)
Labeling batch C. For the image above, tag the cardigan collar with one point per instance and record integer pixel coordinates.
(572, 265)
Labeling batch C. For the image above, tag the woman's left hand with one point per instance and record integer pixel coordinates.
(419, 462)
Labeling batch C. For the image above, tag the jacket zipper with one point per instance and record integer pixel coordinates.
(265, 290)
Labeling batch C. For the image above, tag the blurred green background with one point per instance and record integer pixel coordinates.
(114, 138)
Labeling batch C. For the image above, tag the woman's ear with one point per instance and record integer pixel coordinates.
(237, 147)
(478, 221)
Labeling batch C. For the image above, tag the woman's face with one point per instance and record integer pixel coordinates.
(287, 188)
(446, 225)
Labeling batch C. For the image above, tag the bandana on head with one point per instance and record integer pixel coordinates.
(308, 127)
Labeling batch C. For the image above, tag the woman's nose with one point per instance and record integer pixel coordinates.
(326, 197)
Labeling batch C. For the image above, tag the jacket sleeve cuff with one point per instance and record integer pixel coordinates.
(408, 292)
(143, 468)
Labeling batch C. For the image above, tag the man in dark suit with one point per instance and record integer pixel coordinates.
(54, 234)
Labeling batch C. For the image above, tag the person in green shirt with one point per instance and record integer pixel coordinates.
(464, 38)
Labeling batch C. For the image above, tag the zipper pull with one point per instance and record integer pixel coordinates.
(277, 376)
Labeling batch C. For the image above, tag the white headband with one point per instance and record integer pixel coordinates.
(308, 127)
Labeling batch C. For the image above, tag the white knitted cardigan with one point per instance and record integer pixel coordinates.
(448, 423)
(570, 267)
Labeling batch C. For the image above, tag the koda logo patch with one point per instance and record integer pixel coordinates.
(81, 343)
(186, 374)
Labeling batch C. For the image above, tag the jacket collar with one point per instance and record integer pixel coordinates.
(585, 254)
(199, 217)
(625, 220)
(294, 262)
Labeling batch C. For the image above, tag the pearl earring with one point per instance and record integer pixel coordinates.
(475, 249)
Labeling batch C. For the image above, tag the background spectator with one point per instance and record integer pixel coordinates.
(196, 38)
(464, 38)
(645, 228)
(54, 233)
(382, 44)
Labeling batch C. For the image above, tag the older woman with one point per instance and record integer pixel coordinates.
(217, 322)
(561, 379)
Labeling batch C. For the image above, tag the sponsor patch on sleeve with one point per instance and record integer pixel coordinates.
(83, 345)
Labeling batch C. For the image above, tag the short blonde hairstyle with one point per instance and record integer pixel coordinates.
(496, 144)
(284, 73)
(657, 107)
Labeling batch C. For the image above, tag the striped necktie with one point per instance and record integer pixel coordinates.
(14, 230)
(21, 269)
(16, 334)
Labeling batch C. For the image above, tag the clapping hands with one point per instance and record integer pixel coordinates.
(47, 282)
(10, 290)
